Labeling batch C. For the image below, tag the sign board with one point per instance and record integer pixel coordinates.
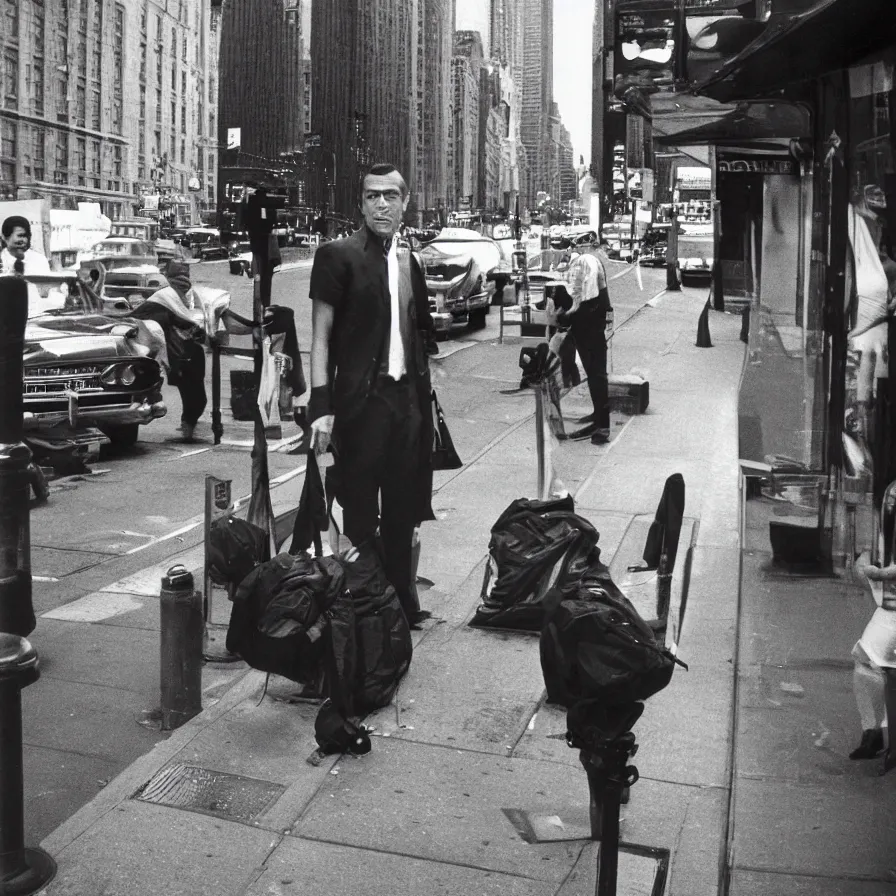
(647, 185)
(312, 140)
(234, 138)
(765, 165)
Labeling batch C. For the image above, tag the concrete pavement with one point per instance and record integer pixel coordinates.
(470, 787)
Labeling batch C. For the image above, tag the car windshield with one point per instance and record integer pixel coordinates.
(111, 247)
(58, 295)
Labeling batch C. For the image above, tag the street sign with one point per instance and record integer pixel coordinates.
(234, 138)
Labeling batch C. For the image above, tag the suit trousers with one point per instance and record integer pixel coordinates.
(190, 382)
(588, 327)
(378, 455)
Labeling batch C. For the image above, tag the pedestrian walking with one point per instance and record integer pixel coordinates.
(370, 384)
(171, 308)
(587, 322)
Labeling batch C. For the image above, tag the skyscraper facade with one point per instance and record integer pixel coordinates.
(107, 102)
(435, 41)
(537, 92)
(464, 143)
(360, 80)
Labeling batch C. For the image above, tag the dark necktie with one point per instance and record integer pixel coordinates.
(19, 266)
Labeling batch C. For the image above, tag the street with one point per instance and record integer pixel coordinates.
(139, 509)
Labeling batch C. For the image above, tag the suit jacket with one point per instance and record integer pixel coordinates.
(351, 275)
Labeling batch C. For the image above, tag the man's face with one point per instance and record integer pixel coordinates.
(17, 242)
(382, 203)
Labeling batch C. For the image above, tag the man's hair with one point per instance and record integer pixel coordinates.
(381, 169)
(13, 221)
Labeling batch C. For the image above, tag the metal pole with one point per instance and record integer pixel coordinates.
(22, 871)
(672, 284)
(217, 425)
(16, 609)
(539, 439)
(180, 656)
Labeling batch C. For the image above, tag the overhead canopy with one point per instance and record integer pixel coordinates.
(831, 35)
(748, 121)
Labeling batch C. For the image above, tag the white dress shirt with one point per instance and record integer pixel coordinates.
(35, 263)
(397, 367)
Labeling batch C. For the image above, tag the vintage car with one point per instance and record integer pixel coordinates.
(84, 370)
(457, 264)
(118, 252)
(134, 285)
(240, 257)
(654, 245)
(695, 252)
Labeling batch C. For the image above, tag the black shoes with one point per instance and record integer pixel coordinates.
(417, 618)
(592, 432)
(871, 745)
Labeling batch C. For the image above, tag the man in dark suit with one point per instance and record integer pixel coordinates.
(370, 385)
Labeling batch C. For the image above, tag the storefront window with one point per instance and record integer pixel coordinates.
(870, 296)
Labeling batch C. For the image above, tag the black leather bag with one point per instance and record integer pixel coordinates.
(444, 455)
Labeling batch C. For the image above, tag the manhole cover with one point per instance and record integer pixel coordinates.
(204, 790)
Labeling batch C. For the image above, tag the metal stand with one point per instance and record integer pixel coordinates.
(22, 871)
(605, 746)
(217, 425)
(218, 503)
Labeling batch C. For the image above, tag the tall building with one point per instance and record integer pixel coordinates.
(363, 81)
(494, 116)
(298, 73)
(109, 102)
(435, 38)
(464, 143)
(537, 92)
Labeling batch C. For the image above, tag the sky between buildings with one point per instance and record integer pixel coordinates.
(573, 22)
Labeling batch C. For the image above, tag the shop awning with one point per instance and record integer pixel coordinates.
(748, 121)
(832, 35)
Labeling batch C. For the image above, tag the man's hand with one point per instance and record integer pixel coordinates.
(321, 433)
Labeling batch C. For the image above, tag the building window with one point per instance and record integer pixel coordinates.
(173, 114)
(183, 152)
(183, 49)
(157, 145)
(82, 19)
(159, 65)
(183, 118)
(159, 30)
(116, 160)
(80, 104)
(96, 121)
(37, 147)
(62, 99)
(94, 156)
(141, 143)
(117, 123)
(142, 62)
(8, 139)
(174, 43)
(183, 84)
(37, 85)
(96, 65)
(143, 20)
(173, 75)
(11, 15)
(158, 105)
(10, 78)
(80, 159)
(97, 18)
(142, 102)
(38, 29)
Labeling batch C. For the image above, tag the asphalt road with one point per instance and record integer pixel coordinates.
(134, 512)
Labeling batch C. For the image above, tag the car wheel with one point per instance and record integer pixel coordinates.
(477, 319)
(124, 436)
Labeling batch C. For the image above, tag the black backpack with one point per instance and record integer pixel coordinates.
(382, 634)
(595, 646)
(235, 548)
(534, 546)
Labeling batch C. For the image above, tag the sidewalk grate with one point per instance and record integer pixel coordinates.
(204, 790)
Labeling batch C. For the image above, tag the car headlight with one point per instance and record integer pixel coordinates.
(140, 374)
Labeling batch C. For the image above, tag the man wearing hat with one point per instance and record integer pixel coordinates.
(17, 256)
(171, 307)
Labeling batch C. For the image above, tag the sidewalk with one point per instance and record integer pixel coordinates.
(470, 787)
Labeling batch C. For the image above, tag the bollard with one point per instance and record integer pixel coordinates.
(22, 871)
(180, 662)
(703, 337)
(16, 610)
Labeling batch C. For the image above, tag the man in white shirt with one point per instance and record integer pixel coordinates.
(17, 256)
(587, 322)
